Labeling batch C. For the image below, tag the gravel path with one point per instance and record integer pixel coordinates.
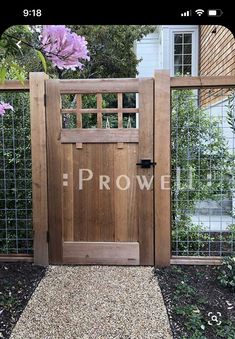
(95, 302)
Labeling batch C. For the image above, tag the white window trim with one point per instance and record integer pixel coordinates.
(195, 59)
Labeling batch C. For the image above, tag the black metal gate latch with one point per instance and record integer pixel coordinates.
(146, 163)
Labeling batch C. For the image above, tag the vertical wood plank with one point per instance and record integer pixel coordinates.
(122, 205)
(78, 109)
(99, 110)
(68, 199)
(80, 196)
(162, 151)
(132, 217)
(145, 197)
(93, 197)
(126, 221)
(120, 117)
(107, 203)
(39, 166)
(54, 159)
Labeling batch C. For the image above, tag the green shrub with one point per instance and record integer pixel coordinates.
(231, 229)
(227, 273)
(188, 237)
(194, 324)
(226, 330)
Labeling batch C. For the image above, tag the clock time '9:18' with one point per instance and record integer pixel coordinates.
(32, 12)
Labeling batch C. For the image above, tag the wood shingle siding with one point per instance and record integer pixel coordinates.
(217, 51)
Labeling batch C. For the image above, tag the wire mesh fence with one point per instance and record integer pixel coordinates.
(203, 169)
(15, 176)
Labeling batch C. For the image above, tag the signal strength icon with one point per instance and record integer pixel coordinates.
(199, 11)
(187, 13)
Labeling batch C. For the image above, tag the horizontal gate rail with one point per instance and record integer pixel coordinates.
(99, 135)
(202, 82)
(99, 85)
(195, 260)
(16, 258)
(15, 85)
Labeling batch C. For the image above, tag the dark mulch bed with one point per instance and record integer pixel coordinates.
(17, 283)
(190, 294)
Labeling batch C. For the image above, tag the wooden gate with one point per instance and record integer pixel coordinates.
(98, 213)
(103, 226)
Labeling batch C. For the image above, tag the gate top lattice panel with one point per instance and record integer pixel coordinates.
(101, 110)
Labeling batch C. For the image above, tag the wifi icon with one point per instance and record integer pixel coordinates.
(199, 11)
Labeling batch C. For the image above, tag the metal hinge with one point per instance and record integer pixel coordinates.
(45, 99)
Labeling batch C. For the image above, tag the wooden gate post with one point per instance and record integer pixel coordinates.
(162, 149)
(39, 166)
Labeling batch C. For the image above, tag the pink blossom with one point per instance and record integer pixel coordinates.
(3, 107)
(64, 48)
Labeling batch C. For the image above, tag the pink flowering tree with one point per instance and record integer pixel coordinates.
(57, 43)
(66, 50)
(3, 107)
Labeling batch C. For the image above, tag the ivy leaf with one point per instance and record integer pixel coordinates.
(230, 113)
(42, 59)
(231, 120)
(19, 75)
(3, 73)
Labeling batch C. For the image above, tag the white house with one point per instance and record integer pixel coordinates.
(170, 47)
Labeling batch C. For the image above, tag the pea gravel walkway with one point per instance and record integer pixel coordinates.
(95, 302)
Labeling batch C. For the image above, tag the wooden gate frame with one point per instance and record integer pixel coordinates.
(39, 167)
(163, 84)
(162, 150)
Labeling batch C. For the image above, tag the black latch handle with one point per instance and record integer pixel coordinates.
(146, 163)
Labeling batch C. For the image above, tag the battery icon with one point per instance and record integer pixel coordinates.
(214, 12)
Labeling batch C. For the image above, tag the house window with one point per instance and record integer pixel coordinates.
(183, 54)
